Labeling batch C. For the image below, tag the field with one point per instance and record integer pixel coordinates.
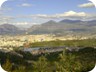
(70, 43)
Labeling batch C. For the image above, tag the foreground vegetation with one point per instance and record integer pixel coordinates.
(82, 61)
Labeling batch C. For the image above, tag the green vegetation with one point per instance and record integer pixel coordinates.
(82, 43)
(65, 61)
(41, 65)
(82, 61)
(7, 66)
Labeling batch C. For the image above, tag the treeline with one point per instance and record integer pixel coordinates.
(82, 61)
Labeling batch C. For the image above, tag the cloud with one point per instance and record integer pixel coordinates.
(6, 19)
(25, 5)
(69, 14)
(65, 15)
(86, 5)
(5, 9)
(40, 18)
(23, 23)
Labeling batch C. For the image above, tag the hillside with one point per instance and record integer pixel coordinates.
(9, 29)
(64, 27)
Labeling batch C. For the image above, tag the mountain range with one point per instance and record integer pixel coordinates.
(64, 27)
(53, 27)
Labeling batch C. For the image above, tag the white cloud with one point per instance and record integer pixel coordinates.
(40, 18)
(5, 9)
(65, 15)
(25, 5)
(24, 23)
(86, 5)
(6, 19)
(69, 14)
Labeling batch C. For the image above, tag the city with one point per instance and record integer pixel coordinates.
(11, 42)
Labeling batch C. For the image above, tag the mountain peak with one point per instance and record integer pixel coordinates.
(51, 21)
(70, 21)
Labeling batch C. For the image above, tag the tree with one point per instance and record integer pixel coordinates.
(67, 63)
(20, 69)
(7, 65)
(41, 65)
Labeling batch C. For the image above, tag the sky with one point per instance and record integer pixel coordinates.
(31, 12)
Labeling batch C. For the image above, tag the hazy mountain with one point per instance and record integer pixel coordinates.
(63, 27)
(52, 27)
(48, 27)
(70, 21)
(9, 29)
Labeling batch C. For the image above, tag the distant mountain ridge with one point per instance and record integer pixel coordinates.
(52, 27)
(64, 26)
(70, 21)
